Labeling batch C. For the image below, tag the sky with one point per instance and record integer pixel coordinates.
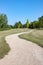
(21, 10)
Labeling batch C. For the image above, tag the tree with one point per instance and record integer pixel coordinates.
(24, 26)
(3, 21)
(18, 25)
(31, 25)
(27, 24)
(35, 24)
(40, 19)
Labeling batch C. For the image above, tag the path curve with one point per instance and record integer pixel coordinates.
(22, 52)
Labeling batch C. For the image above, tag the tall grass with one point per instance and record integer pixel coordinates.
(36, 36)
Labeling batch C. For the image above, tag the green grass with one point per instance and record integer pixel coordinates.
(4, 47)
(36, 36)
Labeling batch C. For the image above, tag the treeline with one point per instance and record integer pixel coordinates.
(35, 24)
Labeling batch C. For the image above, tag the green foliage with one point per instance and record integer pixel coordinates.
(18, 25)
(3, 21)
(26, 25)
(37, 24)
(34, 24)
(40, 19)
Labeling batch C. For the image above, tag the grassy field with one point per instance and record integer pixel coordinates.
(4, 47)
(35, 36)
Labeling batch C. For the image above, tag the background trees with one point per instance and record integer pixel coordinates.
(40, 19)
(26, 25)
(18, 25)
(3, 21)
(35, 24)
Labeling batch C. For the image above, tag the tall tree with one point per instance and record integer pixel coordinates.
(3, 20)
(18, 24)
(40, 19)
(27, 24)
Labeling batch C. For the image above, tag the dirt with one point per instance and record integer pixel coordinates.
(22, 52)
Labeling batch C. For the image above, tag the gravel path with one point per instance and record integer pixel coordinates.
(22, 52)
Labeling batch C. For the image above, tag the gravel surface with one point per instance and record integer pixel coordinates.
(22, 52)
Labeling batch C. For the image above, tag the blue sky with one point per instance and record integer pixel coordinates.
(20, 10)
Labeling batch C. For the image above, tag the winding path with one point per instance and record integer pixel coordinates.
(22, 52)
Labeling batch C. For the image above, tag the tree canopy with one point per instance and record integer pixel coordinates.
(3, 20)
(35, 24)
(18, 25)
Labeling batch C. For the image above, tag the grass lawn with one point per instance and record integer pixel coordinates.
(4, 47)
(35, 36)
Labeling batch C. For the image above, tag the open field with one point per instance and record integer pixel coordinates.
(36, 36)
(4, 47)
(22, 52)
